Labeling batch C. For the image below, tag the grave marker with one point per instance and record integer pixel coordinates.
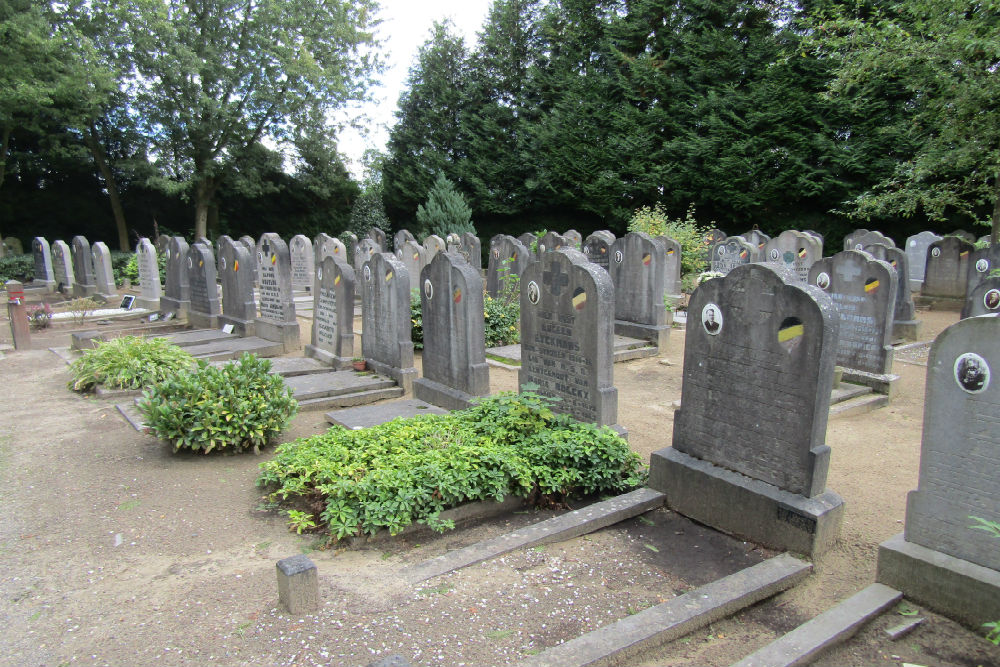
(300, 250)
(574, 237)
(984, 299)
(597, 248)
(149, 275)
(728, 254)
(916, 254)
(434, 244)
(277, 309)
(905, 324)
(508, 256)
(62, 265)
(378, 236)
(636, 270)
(44, 274)
(413, 256)
(332, 339)
(83, 268)
(472, 250)
(366, 249)
(671, 269)
(176, 296)
(237, 275)
(553, 241)
(204, 308)
(758, 240)
(981, 262)
(104, 275)
(795, 251)
(385, 314)
(947, 273)
(401, 237)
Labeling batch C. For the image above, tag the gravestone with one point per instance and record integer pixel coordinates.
(947, 274)
(237, 275)
(350, 241)
(472, 250)
(211, 250)
(300, 249)
(813, 233)
(401, 237)
(434, 244)
(916, 255)
(636, 270)
(83, 268)
(964, 235)
(527, 239)
(859, 238)
(728, 254)
(62, 265)
(748, 453)
(508, 257)
(332, 340)
(758, 240)
(251, 246)
(981, 263)
(149, 275)
(218, 246)
(14, 246)
(378, 236)
(413, 256)
(453, 242)
(597, 248)
(905, 324)
(795, 251)
(454, 356)
(366, 249)
(984, 299)
(864, 291)
(385, 316)
(941, 560)
(553, 241)
(671, 269)
(205, 307)
(567, 313)
(44, 274)
(162, 242)
(574, 237)
(712, 237)
(104, 275)
(277, 309)
(328, 246)
(176, 296)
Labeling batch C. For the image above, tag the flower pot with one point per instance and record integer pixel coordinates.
(359, 365)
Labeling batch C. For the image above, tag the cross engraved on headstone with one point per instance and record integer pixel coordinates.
(556, 279)
(265, 247)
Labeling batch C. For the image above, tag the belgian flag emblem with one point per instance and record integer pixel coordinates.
(670, 252)
(236, 265)
(274, 259)
(336, 280)
(646, 259)
(457, 296)
(871, 285)
(802, 253)
(388, 275)
(790, 331)
(579, 298)
(964, 254)
(743, 254)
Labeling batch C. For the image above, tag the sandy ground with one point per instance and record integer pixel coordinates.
(116, 551)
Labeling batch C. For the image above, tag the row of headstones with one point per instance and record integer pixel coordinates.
(82, 268)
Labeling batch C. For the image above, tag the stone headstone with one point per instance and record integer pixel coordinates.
(237, 275)
(162, 242)
(300, 249)
(553, 241)
(176, 289)
(567, 313)
(366, 249)
(14, 246)
(104, 275)
(636, 270)
(251, 245)
(454, 242)
(964, 235)
(454, 356)
(328, 246)
(413, 256)
(378, 236)
(748, 452)
(712, 237)
(218, 246)
(758, 240)
(814, 233)
(149, 275)
(597, 248)
(905, 324)
(508, 257)
(941, 560)
(671, 268)
(983, 299)
(864, 291)
(434, 244)
(385, 315)
(916, 253)
(947, 268)
(859, 238)
(277, 309)
(62, 265)
(350, 241)
(332, 339)
(83, 268)
(472, 250)
(795, 251)
(401, 237)
(44, 274)
(205, 306)
(733, 252)
(574, 237)
(981, 263)
(528, 239)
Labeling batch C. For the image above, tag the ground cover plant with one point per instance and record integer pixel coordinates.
(410, 470)
(128, 362)
(233, 407)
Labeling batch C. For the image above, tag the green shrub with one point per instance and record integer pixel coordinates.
(501, 321)
(128, 362)
(445, 211)
(236, 406)
(410, 470)
(17, 267)
(416, 320)
(686, 231)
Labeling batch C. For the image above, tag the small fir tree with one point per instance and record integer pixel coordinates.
(445, 211)
(368, 212)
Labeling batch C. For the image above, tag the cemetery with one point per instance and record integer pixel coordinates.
(818, 484)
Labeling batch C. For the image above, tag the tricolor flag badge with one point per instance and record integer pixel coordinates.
(646, 259)
(236, 265)
(802, 253)
(579, 298)
(457, 296)
(743, 254)
(871, 285)
(963, 254)
(336, 280)
(790, 331)
(274, 259)
(388, 275)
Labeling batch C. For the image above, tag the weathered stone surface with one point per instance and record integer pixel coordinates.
(251, 245)
(434, 244)
(636, 269)
(671, 268)
(964, 235)
(327, 246)
(176, 296)
(713, 237)
(859, 238)
(981, 263)
(527, 239)
(378, 236)
(83, 268)
(454, 356)
(385, 314)
(552, 241)
(567, 311)
(472, 250)
(795, 251)
(237, 275)
(597, 248)
(300, 250)
(905, 324)
(332, 339)
(732, 252)
(277, 309)
(350, 241)
(104, 275)
(44, 274)
(62, 265)
(298, 584)
(916, 253)
(574, 237)
(758, 240)
(947, 272)
(413, 256)
(366, 416)
(205, 307)
(984, 299)
(367, 248)
(508, 257)
(401, 237)
(149, 275)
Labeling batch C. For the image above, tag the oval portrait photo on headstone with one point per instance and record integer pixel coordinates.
(319, 273)
(992, 299)
(774, 254)
(711, 319)
(533, 293)
(935, 252)
(618, 256)
(823, 280)
(368, 273)
(982, 265)
(428, 289)
(972, 373)
(222, 263)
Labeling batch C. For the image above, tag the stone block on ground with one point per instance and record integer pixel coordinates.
(298, 585)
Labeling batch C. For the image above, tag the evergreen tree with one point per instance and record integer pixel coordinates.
(445, 211)
(368, 211)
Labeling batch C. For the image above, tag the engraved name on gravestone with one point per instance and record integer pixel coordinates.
(104, 275)
(947, 268)
(733, 252)
(385, 315)
(176, 289)
(236, 273)
(508, 257)
(300, 249)
(454, 356)
(149, 275)
(277, 309)
(44, 274)
(984, 299)
(205, 307)
(795, 251)
(574, 237)
(671, 268)
(636, 270)
(401, 237)
(864, 291)
(758, 369)
(333, 314)
(981, 262)
(83, 268)
(916, 253)
(597, 248)
(958, 476)
(413, 256)
(62, 264)
(567, 311)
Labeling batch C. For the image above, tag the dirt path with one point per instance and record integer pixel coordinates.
(117, 552)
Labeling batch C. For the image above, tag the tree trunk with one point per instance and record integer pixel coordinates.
(100, 159)
(204, 194)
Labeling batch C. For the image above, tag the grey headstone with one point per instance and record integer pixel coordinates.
(237, 275)
(553, 241)
(984, 299)
(981, 262)
(277, 309)
(251, 245)
(300, 250)
(350, 241)
(864, 291)
(904, 310)
(332, 339)
(367, 248)
(597, 248)
(964, 235)
(636, 269)
(104, 275)
(62, 265)
(527, 239)
(567, 312)
(378, 236)
(472, 250)
(149, 275)
(916, 253)
(83, 268)
(44, 274)
(205, 307)
(958, 466)
(947, 272)
(413, 256)
(712, 237)
(218, 247)
(454, 356)
(328, 246)
(728, 254)
(385, 315)
(574, 237)
(454, 242)
(434, 244)
(671, 267)
(401, 237)
(176, 289)
(162, 242)
(508, 257)
(758, 369)
(859, 238)
(758, 240)
(795, 251)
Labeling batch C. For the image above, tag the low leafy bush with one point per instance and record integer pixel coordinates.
(128, 362)
(416, 320)
(126, 265)
(39, 315)
(410, 470)
(17, 267)
(233, 407)
(686, 231)
(501, 321)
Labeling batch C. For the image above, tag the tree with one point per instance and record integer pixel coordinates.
(941, 57)
(212, 78)
(368, 211)
(445, 211)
